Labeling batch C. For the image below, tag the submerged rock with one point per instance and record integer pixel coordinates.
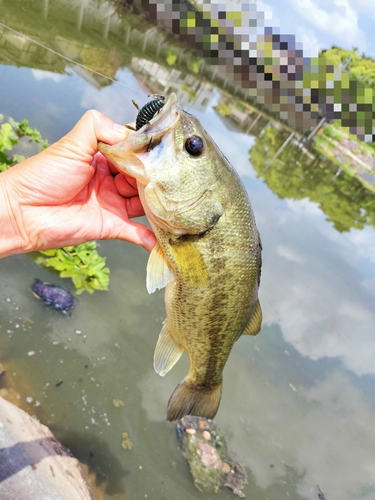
(204, 447)
(54, 296)
(33, 464)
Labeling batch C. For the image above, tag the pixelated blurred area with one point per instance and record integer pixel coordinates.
(228, 56)
(269, 67)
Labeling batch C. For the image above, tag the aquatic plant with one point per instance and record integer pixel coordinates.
(81, 263)
(10, 134)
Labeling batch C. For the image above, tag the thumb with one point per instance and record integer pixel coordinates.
(92, 127)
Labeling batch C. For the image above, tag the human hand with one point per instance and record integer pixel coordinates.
(69, 193)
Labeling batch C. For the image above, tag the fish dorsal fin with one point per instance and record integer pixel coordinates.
(255, 323)
(159, 274)
(190, 263)
(167, 352)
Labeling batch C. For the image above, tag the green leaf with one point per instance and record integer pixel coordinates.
(7, 137)
(81, 263)
(18, 158)
(49, 253)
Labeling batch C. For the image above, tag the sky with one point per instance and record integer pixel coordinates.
(319, 24)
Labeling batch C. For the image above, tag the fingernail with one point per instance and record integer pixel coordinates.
(150, 241)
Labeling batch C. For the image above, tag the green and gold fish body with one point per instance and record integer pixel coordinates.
(208, 253)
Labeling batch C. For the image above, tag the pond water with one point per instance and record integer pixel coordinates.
(298, 405)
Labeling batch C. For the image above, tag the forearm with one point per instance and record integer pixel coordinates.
(11, 241)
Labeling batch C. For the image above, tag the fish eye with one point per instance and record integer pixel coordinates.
(194, 145)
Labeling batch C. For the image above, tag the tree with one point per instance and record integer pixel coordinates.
(343, 199)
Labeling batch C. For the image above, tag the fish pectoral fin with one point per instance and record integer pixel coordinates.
(167, 352)
(159, 274)
(190, 263)
(255, 324)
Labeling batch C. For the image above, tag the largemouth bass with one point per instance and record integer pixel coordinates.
(208, 253)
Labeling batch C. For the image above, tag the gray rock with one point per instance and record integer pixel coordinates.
(33, 464)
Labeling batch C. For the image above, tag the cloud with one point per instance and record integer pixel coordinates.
(317, 290)
(114, 100)
(335, 17)
(289, 254)
(311, 44)
(304, 206)
(39, 74)
(364, 241)
(310, 435)
(268, 11)
(365, 7)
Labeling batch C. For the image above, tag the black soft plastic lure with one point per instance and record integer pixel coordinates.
(54, 296)
(149, 110)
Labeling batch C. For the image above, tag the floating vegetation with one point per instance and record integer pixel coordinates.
(10, 134)
(81, 263)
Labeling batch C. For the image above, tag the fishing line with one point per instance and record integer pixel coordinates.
(69, 59)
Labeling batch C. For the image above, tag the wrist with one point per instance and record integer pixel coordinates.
(11, 241)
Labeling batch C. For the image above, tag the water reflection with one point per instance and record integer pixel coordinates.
(295, 174)
(89, 449)
(298, 404)
(305, 432)
(324, 310)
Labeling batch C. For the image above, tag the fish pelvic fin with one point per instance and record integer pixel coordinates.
(167, 352)
(190, 399)
(159, 274)
(255, 323)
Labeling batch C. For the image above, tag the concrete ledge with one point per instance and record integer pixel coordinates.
(33, 464)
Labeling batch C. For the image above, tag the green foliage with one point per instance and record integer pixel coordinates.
(343, 133)
(10, 134)
(346, 203)
(240, 107)
(194, 64)
(330, 131)
(81, 263)
(171, 55)
(361, 67)
(347, 79)
(190, 92)
(223, 109)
